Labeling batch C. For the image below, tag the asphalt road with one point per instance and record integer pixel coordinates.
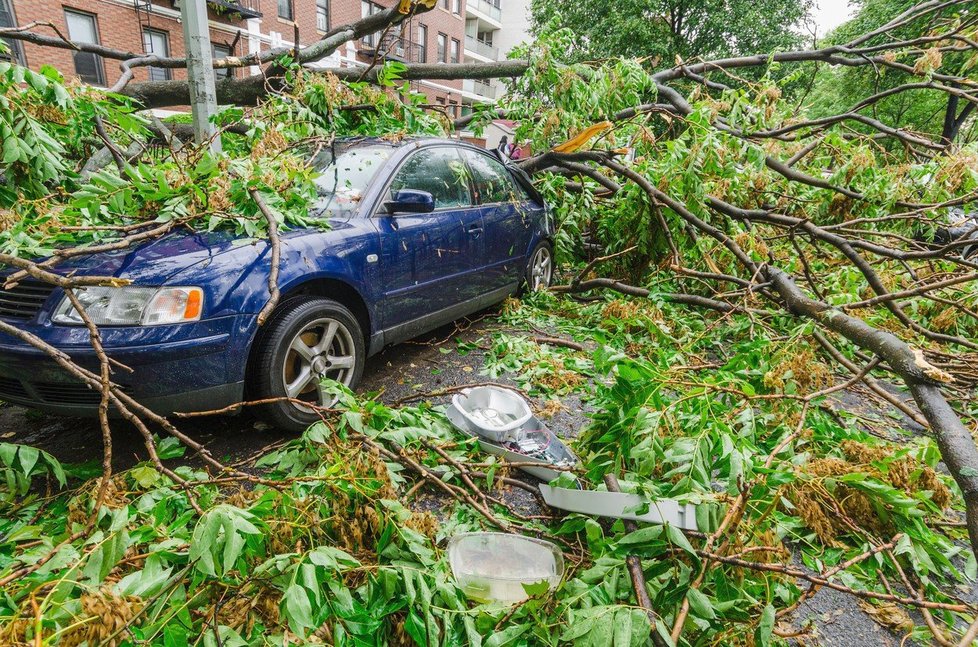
(409, 369)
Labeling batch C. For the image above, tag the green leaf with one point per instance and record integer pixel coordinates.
(505, 637)
(536, 589)
(623, 628)
(28, 458)
(641, 536)
(677, 538)
(297, 609)
(700, 604)
(145, 475)
(765, 627)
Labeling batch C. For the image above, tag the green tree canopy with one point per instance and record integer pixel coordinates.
(926, 110)
(663, 29)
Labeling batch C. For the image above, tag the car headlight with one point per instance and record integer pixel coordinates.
(132, 306)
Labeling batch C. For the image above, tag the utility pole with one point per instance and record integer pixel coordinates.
(200, 72)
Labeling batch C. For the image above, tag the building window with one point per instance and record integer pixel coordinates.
(422, 43)
(222, 51)
(368, 8)
(442, 48)
(456, 7)
(82, 29)
(453, 109)
(445, 4)
(285, 9)
(455, 47)
(15, 53)
(157, 42)
(322, 15)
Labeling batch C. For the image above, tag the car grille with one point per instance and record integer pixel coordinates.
(24, 300)
(12, 389)
(67, 393)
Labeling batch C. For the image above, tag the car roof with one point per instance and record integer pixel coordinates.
(405, 141)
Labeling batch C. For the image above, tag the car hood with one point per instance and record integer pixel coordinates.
(156, 261)
(160, 260)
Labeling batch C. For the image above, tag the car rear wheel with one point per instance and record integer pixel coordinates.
(306, 341)
(540, 269)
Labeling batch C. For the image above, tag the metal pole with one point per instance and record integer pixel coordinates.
(200, 72)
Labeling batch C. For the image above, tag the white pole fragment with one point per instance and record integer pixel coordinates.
(200, 72)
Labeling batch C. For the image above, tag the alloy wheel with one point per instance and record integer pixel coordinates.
(322, 349)
(541, 269)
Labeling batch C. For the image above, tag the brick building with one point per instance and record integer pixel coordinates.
(453, 31)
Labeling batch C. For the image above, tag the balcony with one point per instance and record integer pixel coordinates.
(242, 8)
(393, 48)
(488, 9)
(482, 88)
(482, 49)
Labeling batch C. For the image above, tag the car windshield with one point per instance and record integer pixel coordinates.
(345, 174)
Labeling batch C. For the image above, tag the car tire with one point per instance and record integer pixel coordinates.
(305, 339)
(539, 271)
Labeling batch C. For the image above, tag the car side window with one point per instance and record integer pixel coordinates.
(492, 182)
(440, 172)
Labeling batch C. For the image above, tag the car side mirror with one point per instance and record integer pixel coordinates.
(411, 201)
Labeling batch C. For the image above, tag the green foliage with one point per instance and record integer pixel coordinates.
(326, 546)
(48, 136)
(539, 369)
(658, 31)
(21, 464)
(327, 549)
(670, 429)
(919, 110)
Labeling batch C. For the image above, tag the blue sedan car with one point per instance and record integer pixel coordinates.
(420, 233)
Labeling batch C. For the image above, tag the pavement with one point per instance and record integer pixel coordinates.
(427, 364)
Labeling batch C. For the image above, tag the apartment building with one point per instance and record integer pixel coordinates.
(483, 20)
(453, 31)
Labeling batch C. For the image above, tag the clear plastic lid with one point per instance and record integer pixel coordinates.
(494, 566)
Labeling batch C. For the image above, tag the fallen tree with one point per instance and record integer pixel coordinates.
(702, 190)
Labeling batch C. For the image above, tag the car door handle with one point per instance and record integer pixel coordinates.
(475, 229)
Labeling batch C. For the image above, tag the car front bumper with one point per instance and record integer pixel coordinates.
(192, 367)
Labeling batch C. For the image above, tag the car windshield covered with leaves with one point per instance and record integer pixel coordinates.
(345, 171)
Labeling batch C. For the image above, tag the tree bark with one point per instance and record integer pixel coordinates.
(247, 91)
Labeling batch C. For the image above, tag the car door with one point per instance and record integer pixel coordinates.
(507, 227)
(430, 261)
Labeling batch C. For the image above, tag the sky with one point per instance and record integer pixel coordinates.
(829, 14)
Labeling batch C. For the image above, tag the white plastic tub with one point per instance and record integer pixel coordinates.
(494, 412)
(494, 566)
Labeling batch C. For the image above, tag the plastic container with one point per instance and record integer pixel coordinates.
(495, 412)
(494, 566)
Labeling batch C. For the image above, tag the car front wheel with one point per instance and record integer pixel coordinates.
(306, 341)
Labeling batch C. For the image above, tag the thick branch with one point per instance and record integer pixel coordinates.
(957, 447)
(248, 90)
